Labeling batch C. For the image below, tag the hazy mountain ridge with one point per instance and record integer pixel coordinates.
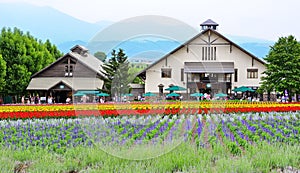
(258, 49)
(46, 23)
(66, 31)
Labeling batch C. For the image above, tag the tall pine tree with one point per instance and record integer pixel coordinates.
(117, 78)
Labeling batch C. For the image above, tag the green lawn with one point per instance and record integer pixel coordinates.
(185, 157)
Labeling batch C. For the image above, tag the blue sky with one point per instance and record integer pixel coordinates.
(265, 19)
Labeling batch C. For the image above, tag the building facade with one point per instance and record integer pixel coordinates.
(77, 70)
(207, 63)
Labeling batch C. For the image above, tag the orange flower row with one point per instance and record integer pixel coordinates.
(141, 108)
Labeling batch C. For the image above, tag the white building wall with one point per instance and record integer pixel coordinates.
(193, 53)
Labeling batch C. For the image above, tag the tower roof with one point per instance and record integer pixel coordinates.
(209, 22)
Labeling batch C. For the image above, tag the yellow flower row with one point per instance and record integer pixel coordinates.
(144, 105)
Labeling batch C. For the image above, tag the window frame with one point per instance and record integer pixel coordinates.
(166, 73)
(252, 73)
(209, 53)
(235, 75)
(182, 74)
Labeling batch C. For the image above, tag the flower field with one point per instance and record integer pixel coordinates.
(151, 108)
(177, 137)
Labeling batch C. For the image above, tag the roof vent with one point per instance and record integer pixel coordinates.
(80, 50)
(209, 24)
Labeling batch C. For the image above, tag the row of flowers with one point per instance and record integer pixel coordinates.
(146, 105)
(113, 109)
(235, 131)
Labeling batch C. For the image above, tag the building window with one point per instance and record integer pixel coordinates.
(235, 75)
(182, 74)
(195, 77)
(69, 70)
(209, 53)
(215, 53)
(69, 67)
(227, 77)
(189, 77)
(166, 73)
(66, 70)
(202, 53)
(252, 73)
(205, 53)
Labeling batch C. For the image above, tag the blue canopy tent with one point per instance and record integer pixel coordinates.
(243, 89)
(78, 94)
(197, 94)
(221, 95)
(149, 94)
(87, 92)
(175, 88)
(173, 95)
(102, 94)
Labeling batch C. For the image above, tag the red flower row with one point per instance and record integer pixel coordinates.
(141, 112)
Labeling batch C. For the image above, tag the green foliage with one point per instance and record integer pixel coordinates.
(233, 148)
(100, 55)
(283, 66)
(24, 55)
(2, 73)
(116, 74)
(184, 158)
(18, 79)
(134, 69)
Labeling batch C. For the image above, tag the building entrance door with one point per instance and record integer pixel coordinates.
(61, 96)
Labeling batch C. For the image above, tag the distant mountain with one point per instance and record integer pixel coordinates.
(256, 46)
(137, 49)
(46, 23)
(66, 31)
(258, 49)
(66, 46)
(153, 50)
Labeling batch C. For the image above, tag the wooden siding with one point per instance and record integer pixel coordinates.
(81, 70)
(58, 69)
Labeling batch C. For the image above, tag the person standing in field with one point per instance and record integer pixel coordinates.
(23, 100)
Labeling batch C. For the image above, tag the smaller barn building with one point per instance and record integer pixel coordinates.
(77, 70)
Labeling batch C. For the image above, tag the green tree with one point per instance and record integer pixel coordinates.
(134, 70)
(283, 67)
(20, 72)
(2, 73)
(24, 55)
(100, 55)
(116, 74)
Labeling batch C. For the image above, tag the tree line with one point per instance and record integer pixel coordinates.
(22, 55)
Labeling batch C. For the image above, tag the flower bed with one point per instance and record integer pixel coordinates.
(141, 108)
(235, 131)
(172, 133)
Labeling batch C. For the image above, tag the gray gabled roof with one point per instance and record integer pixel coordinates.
(89, 60)
(195, 37)
(46, 83)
